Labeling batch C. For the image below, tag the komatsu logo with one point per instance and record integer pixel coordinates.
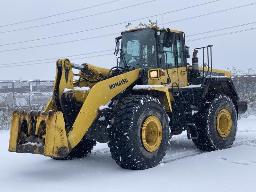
(119, 83)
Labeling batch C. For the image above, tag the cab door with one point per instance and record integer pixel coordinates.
(180, 60)
(175, 61)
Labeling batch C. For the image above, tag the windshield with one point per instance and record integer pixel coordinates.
(139, 49)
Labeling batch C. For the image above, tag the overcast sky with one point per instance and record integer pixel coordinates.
(24, 42)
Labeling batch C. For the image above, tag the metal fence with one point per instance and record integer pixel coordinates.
(27, 95)
(24, 93)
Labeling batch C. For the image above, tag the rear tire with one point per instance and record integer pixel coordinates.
(217, 125)
(131, 146)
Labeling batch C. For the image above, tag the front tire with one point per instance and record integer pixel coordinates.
(140, 133)
(217, 125)
(81, 150)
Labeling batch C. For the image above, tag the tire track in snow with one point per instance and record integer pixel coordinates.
(180, 157)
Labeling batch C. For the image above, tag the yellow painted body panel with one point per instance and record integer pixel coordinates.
(100, 94)
(162, 90)
(218, 71)
(66, 81)
(226, 73)
(168, 97)
(14, 132)
(56, 142)
(161, 80)
(178, 76)
(182, 76)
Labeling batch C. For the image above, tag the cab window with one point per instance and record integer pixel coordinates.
(169, 56)
(180, 56)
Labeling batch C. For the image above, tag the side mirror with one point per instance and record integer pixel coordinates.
(117, 49)
(187, 52)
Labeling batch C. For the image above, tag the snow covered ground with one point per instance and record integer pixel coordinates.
(184, 169)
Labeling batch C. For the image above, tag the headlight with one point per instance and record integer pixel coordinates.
(153, 74)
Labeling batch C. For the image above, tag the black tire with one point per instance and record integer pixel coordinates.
(125, 134)
(80, 151)
(209, 138)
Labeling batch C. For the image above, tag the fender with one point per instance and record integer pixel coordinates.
(161, 91)
(221, 85)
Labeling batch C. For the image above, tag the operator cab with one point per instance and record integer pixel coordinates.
(161, 53)
(152, 48)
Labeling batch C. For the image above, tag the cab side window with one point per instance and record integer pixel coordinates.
(169, 57)
(168, 50)
(180, 56)
(173, 54)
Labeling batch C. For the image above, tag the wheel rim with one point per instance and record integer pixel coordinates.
(152, 134)
(224, 123)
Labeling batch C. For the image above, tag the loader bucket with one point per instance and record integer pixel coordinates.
(39, 133)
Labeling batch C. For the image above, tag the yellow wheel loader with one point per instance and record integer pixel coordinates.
(136, 107)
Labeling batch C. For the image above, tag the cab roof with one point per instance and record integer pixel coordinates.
(152, 27)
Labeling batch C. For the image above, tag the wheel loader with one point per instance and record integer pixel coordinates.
(152, 94)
